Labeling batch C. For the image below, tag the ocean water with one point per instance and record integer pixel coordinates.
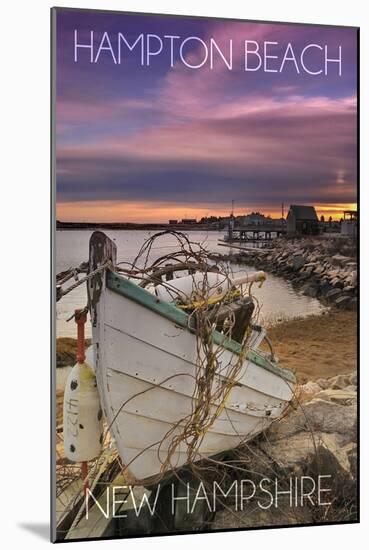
(277, 298)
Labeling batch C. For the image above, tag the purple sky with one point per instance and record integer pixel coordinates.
(147, 143)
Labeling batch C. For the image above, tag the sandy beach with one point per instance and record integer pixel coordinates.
(317, 346)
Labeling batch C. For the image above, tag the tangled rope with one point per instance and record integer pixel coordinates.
(215, 376)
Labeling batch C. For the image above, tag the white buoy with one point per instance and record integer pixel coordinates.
(82, 413)
(211, 284)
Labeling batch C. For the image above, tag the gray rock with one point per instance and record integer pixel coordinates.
(333, 273)
(334, 293)
(323, 383)
(349, 289)
(318, 415)
(339, 260)
(310, 389)
(340, 382)
(310, 290)
(319, 270)
(342, 397)
(337, 283)
(303, 276)
(294, 452)
(325, 287)
(351, 388)
(343, 301)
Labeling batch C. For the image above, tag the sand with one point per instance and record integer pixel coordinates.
(317, 346)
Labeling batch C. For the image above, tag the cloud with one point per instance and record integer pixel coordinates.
(294, 142)
(207, 136)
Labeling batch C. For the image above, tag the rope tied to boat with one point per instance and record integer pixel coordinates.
(60, 292)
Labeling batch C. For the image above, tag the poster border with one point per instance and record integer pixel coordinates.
(53, 38)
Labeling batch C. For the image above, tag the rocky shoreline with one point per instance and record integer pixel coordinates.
(317, 438)
(321, 267)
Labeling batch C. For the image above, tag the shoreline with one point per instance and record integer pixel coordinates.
(80, 226)
(322, 268)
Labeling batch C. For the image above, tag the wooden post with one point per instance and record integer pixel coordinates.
(80, 318)
(102, 250)
(84, 475)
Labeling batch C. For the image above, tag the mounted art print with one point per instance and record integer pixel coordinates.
(205, 230)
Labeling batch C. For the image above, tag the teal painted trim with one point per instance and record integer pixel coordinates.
(130, 290)
(263, 362)
(144, 298)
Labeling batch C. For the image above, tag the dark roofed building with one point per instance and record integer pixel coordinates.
(302, 220)
(349, 223)
(189, 221)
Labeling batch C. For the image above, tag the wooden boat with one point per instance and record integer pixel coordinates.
(145, 359)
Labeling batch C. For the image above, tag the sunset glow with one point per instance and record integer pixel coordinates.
(114, 211)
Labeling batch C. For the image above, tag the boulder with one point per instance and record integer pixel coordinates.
(295, 452)
(337, 283)
(323, 383)
(310, 289)
(343, 301)
(325, 287)
(340, 382)
(318, 415)
(319, 270)
(303, 276)
(309, 389)
(342, 397)
(333, 273)
(349, 289)
(338, 259)
(333, 294)
(298, 261)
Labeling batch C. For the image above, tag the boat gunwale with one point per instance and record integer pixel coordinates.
(132, 291)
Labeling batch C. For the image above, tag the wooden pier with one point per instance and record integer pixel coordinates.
(255, 233)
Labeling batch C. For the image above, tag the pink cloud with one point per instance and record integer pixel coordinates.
(287, 136)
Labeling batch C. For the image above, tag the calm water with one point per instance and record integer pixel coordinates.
(276, 297)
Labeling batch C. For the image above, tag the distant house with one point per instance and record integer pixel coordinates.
(349, 223)
(302, 220)
(189, 221)
(173, 222)
(255, 218)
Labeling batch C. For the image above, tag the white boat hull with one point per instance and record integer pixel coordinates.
(145, 369)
